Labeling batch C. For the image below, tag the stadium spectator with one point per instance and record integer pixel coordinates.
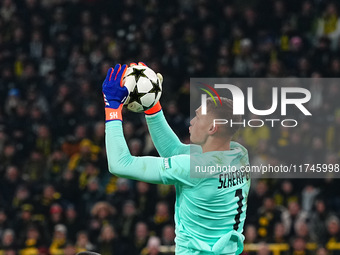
(108, 241)
(145, 198)
(83, 243)
(279, 234)
(44, 201)
(299, 246)
(33, 241)
(257, 196)
(302, 231)
(58, 240)
(22, 196)
(102, 214)
(333, 230)
(285, 194)
(263, 249)
(250, 237)
(72, 222)
(10, 184)
(23, 220)
(321, 251)
(308, 196)
(268, 215)
(56, 164)
(92, 195)
(168, 235)
(122, 194)
(152, 247)
(161, 218)
(329, 23)
(68, 185)
(33, 171)
(141, 237)
(127, 220)
(8, 240)
(56, 216)
(318, 220)
(293, 217)
(70, 249)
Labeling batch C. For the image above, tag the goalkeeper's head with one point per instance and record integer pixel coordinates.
(207, 131)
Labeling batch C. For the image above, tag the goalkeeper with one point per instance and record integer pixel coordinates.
(209, 212)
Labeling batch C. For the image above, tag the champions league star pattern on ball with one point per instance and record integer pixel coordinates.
(145, 88)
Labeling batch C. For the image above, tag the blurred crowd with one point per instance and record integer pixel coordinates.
(56, 194)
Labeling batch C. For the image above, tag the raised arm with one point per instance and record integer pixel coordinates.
(121, 163)
(148, 169)
(165, 140)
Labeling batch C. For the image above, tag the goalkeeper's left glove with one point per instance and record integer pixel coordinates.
(157, 107)
(114, 93)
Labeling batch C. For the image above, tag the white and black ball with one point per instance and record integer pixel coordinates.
(145, 88)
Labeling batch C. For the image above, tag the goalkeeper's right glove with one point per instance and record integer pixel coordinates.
(114, 93)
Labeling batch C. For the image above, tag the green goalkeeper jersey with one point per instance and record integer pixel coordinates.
(210, 211)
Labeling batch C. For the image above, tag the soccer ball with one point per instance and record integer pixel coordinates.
(144, 87)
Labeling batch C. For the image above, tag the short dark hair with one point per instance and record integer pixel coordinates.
(224, 111)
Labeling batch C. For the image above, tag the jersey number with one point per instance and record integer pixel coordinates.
(238, 194)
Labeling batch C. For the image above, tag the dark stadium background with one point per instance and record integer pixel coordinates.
(56, 195)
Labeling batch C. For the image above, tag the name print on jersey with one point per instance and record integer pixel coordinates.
(233, 178)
